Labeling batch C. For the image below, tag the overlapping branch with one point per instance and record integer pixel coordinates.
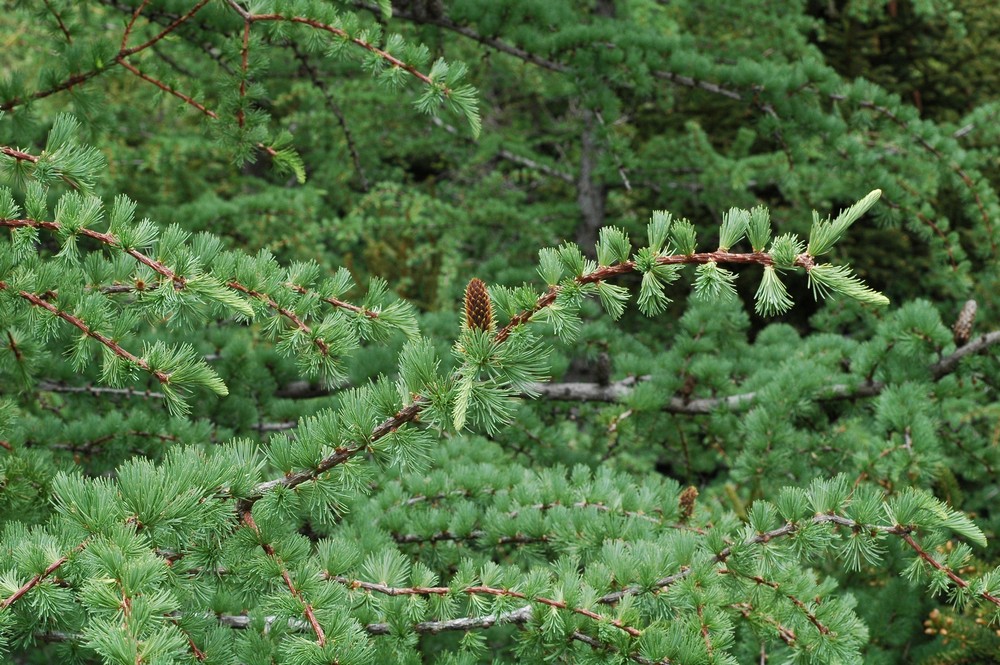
(179, 282)
(520, 616)
(119, 58)
(411, 412)
(524, 614)
(295, 319)
(124, 52)
(97, 391)
(331, 103)
(757, 579)
(902, 531)
(337, 302)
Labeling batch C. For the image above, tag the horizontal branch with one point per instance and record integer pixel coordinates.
(336, 302)
(788, 529)
(108, 239)
(465, 31)
(445, 536)
(302, 390)
(625, 267)
(785, 530)
(180, 282)
(280, 426)
(338, 32)
(377, 587)
(948, 364)
(97, 391)
(618, 390)
(21, 156)
(518, 617)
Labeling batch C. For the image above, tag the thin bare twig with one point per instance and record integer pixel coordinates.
(131, 24)
(338, 113)
(190, 101)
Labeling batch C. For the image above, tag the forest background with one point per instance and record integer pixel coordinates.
(264, 427)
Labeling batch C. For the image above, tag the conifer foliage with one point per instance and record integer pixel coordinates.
(216, 452)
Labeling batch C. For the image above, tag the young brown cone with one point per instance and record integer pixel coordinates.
(963, 326)
(478, 308)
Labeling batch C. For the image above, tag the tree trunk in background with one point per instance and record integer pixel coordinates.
(591, 195)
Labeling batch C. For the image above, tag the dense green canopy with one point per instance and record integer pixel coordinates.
(470, 331)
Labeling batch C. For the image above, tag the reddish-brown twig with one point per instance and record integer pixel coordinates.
(340, 304)
(190, 101)
(19, 155)
(269, 549)
(952, 575)
(412, 411)
(340, 455)
(333, 30)
(34, 581)
(811, 616)
(131, 24)
(549, 297)
(180, 282)
(106, 238)
(59, 20)
(285, 312)
(111, 344)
